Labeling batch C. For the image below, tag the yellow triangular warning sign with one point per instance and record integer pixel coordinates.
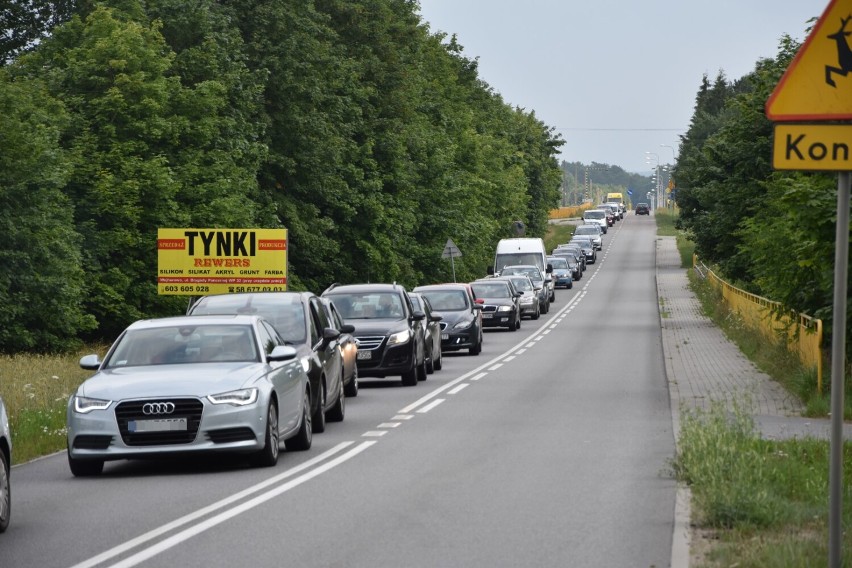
(817, 85)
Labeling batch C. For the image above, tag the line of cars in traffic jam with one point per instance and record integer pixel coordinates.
(244, 373)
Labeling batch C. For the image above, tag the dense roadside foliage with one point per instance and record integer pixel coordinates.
(370, 138)
(770, 232)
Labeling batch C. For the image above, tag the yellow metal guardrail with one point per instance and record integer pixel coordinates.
(801, 333)
(569, 212)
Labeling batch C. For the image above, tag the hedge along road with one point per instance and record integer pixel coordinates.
(548, 448)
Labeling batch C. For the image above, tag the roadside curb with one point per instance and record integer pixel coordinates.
(682, 511)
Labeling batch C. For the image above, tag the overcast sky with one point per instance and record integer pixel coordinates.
(616, 78)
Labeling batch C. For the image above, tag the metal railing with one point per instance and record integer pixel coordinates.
(802, 334)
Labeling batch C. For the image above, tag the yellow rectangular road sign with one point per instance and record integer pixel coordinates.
(198, 262)
(812, 147)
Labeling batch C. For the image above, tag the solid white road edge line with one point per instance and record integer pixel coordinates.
(238, 510)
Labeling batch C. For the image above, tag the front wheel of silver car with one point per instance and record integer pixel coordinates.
(268, 456)
(5, 493)
(85, 468)
(303, 438)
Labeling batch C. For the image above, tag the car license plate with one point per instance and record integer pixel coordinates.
(365, 354)
(159, 425)
(445, 336)
(487, 316)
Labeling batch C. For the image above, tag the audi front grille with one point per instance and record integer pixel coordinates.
(185, 408)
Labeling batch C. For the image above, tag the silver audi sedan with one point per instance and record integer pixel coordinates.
(179, 385)
(5, 469)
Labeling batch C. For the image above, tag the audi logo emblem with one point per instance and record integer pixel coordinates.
(150, 408)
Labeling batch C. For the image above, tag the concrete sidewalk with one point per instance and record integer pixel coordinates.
(703, 366)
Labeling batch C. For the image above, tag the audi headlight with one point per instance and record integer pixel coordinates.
(463, 324)
(242, 397)
(84, 405)
(504, 309)
(400, 337)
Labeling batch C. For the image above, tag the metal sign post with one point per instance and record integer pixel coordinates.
(451, 251)
(813, 100)
(838, 368)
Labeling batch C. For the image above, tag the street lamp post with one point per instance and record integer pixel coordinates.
(656, 158)
(674, 155)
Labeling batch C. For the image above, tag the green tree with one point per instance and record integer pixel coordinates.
(42, 282)
(147, 150)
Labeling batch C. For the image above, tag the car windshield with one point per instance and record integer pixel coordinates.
(369, 305)
(531, 271)
(558, 263)
(522, 284)
(184, 344)
(491, 289)
(446, 300)
(594, 214)
(283, 311)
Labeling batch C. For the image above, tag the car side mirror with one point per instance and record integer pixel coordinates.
(282, 353)
(90, 362)
(418, 315)
(436, 317)
(347, 328)
(330, 334)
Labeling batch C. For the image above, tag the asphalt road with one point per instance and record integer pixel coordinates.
(550, 448)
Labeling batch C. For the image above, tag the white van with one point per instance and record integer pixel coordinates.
(511, 252)
(595, 216)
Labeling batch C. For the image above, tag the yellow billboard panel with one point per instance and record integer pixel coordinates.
(198, 262)
(812, 147)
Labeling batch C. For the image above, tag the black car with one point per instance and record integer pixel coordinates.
(588, 247)
(573, 249)
(501, 307)
(431, 329)
(574, 256)
(301, 320)
(461, 326)
(643, 209)
(390, 337)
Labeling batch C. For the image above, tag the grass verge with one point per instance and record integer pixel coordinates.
(557, 234)
(761, 502)
(35, 390)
